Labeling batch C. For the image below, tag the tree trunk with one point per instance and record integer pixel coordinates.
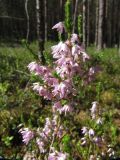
(118, 28)
(88, 22)
(75, 14)
(46, 24)
(119, 44)
(100, 25)
(40, 29)
(28, 21)
(61, 9)
(109, 25)
(114, 9)
(105, 23)
(84, 23)
(96, 25)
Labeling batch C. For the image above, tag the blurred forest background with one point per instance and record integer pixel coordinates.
(25, 32)
(101, 19)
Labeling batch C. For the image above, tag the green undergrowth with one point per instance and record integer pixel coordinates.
(19, 104)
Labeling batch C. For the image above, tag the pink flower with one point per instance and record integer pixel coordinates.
(61, 61)
(27, 135)
(41, 146)
(47, 131)
(32, 66)
(36, 86)
(56, 50)
(84, 130)
(57, 156)
(83, 141)
(92, 157)
(54, 121)
(47, 122)
(59, 26)
(39, 70)
(110, 152)
(65, 61)
(43, 136)
(52, 156)
(94, 70)
(42, 91)
(75, 38)
(59, 50)
(91, 71)
(91, 132)
(57, 106)
(67, 67)
(51, 81)
(76, 51)
(60, 132)
(99, 121)
(85, 56)
(98, 141)
(62, 156)
(62, 71)
(65, 109)
(94, 109)
(62, 89)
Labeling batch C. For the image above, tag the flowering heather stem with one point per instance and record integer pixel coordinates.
(53, 138)
(58, 87)
(60, 36)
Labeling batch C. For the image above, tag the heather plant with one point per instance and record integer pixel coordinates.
(58, 84)
(19, 104)
(99, 135)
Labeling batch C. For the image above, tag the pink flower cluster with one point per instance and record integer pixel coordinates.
(27, 135)
(96, 113)
(92, 137)
(39, 70)
(69, 57)
(89, 133)
(59, 26)
(45, 135)
(62, 109)
(57, 156)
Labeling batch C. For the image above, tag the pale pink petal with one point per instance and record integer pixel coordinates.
(59, 26)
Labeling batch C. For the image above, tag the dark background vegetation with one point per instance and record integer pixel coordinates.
(13, 19)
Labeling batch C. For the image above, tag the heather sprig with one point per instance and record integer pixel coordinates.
(58, 87)
(69, 57)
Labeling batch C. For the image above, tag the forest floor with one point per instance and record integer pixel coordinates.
(19, 104)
